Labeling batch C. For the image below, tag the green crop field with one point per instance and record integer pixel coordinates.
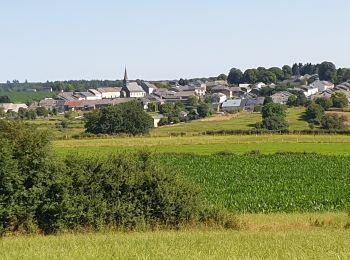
(269, 183)
(24, 96)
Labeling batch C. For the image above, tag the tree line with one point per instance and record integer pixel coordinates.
(325, 71)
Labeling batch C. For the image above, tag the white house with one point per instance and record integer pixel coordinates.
(110, 92)
(148, 87)
(309, 90)
(259, 85)
(96, 93)
(322, 85)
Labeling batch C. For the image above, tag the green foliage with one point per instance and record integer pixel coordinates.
(41, 111)
(339, 100)
(129, 118)
(204, 110)
(129, 191)
(235, 76)
(275, 123)
(222, 77)
(327, 71)
(314, 113)
(333, 122)
(272, 109)
(270, 183)
(325, 103)
(250, 76)
(5, 99)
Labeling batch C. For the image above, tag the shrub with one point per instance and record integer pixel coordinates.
(314, 113)
(333, 122)
(275, 123)
(42, 193)
(339, 100)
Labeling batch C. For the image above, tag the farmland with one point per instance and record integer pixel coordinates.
(269, 183)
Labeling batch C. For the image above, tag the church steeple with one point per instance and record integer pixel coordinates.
(125, 81)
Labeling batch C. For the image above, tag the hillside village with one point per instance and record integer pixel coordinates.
(218, 94)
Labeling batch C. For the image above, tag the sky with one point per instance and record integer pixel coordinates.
(44, 40)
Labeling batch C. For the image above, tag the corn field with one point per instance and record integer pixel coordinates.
(270, 183)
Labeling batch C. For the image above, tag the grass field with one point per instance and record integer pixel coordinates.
(292, 236)
(323, 144)
(239, 121)
(23, 96)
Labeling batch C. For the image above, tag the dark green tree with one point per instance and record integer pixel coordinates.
(250, 76)
(235, 76)
(327, 71)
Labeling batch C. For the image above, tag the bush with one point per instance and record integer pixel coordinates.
(333, 122)
(42, 193)
(314, 113)
(339, 100)
(325, 103)
(272, 109)
(275, 123)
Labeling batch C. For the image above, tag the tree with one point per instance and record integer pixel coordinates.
(325, 103)
(292, 101)
(327, 71)
(339, 100)
(129, 118)
(222, 77)
(203, 110)
(193, 101)
(275, 123)
(183, 82)
(235, 76)
(267, 76)
(314, 113)
(278, 73)
(287, 71)
(295, 70)
(333, 122)
(272, 109)
(268, 100)
(5, 99)
(250, 76)
(41, 111)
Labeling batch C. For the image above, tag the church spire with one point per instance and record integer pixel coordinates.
(125, 81)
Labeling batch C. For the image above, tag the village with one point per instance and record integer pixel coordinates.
(218, 94)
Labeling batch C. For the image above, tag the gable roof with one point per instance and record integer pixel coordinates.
(134, 87)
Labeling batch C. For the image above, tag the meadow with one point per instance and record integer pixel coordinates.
(297, 236)
(26, 96)
(205, 145)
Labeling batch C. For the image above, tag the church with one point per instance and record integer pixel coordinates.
(131, 89)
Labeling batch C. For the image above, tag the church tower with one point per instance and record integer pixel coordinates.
(125, 80)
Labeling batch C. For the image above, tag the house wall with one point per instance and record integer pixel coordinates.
(111, 95)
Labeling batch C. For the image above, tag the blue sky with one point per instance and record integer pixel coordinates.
(84, 39)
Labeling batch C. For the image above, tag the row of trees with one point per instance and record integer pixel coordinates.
(43, 193)
(325, 70)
